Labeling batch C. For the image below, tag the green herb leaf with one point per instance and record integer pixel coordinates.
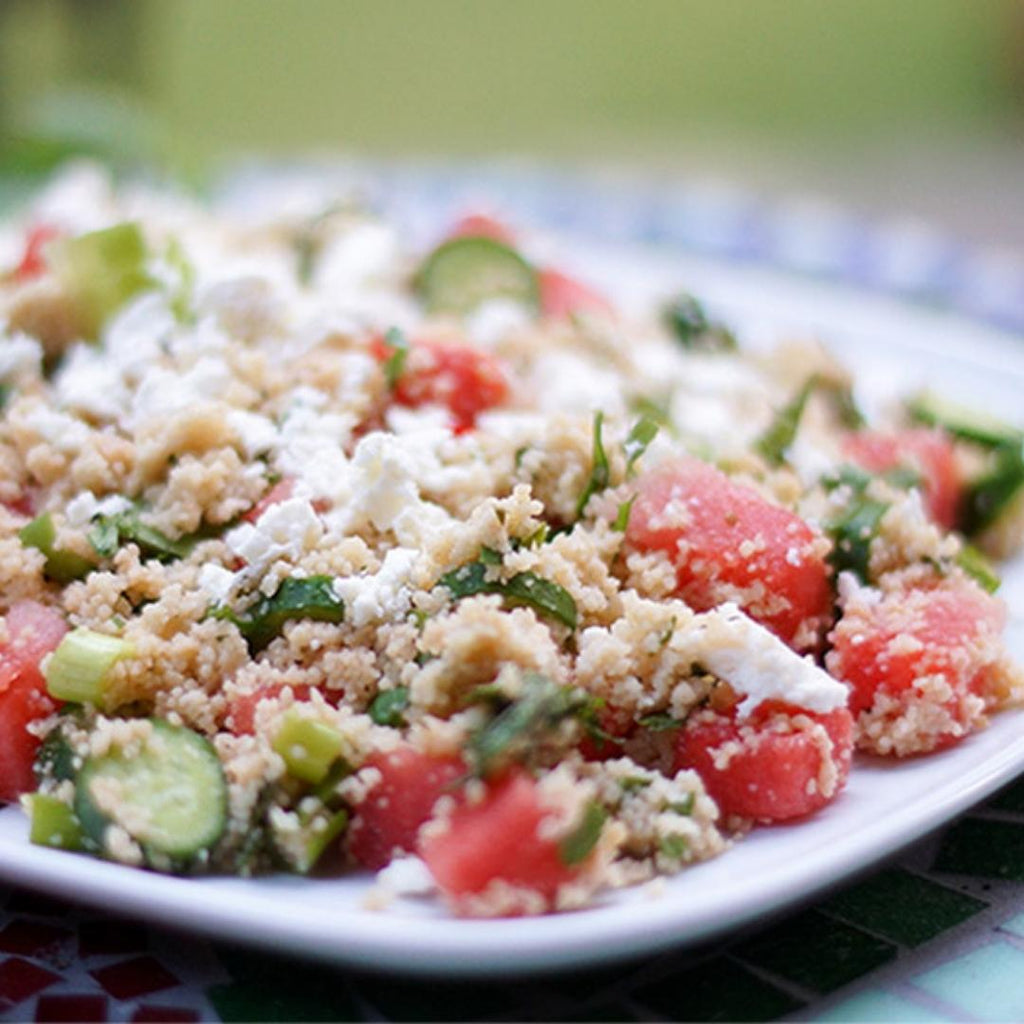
(525, 588)
(632, 783)
(311, 597)
(394, 365)
(650, 409)
(600, 473)
(660, 723)
(686, 319)
(986, 497)
(979, 568)
(852, 533)
(684, 806)
(844, 405)
(183, 287)
(776, 440)
(640, 436)
(622, 516)
(674, 846)
(517, 728)
(387, 707)
(550, 599)
(109, 532)
(578, 844)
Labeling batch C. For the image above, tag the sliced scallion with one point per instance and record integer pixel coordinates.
(308, 747)
(79, 669)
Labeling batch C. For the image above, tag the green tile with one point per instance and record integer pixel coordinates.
(991, 849)
(985, 984)
(716, 990)
(402, 999)
(273, 988)
(1011, 798)
(903, 907)
(880, 1006)
(816, 951)
(263, 1002)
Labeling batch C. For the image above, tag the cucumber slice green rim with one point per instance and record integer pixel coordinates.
(171, 796)
(462, 273)
(963, 422)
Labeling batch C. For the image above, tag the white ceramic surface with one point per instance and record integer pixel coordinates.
(891, 347)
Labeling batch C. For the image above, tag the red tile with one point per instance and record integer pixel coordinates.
(71, 1007)
(110, 937)
(132, 978)
(20, 979)
(147, 1013)
(30, 938)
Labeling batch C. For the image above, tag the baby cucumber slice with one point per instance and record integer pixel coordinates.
(960, 421)
(462, 273)
(169, 794)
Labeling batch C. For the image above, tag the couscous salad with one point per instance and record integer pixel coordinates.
(320, 554)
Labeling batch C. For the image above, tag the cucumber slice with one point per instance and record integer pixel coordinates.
(102, 270)
(960, 421)
(170, 796)
(462, 273)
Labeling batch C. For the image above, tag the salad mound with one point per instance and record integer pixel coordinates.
(321, 554)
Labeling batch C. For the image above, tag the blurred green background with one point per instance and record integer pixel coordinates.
(861, 100)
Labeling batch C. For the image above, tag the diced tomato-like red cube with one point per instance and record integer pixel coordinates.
(780, 763)
(730, 543)
(928, 452)
(33, 260)
(482, 225)
(33, 631)
(562, 295)
(241, 716)
(389, 818)
(498, 840)
(461, 378)
(920, 653)
(281, 491)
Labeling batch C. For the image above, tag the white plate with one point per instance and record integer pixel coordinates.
(892, 348)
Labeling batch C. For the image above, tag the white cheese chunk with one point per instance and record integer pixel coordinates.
(216, 582)
(257, 433)
(564, 382)
(381, 595)
(492, 321)
(89, 383)
(407, 876)
(19, 354)
(757, 664)
(286, 530)
(84, 506)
